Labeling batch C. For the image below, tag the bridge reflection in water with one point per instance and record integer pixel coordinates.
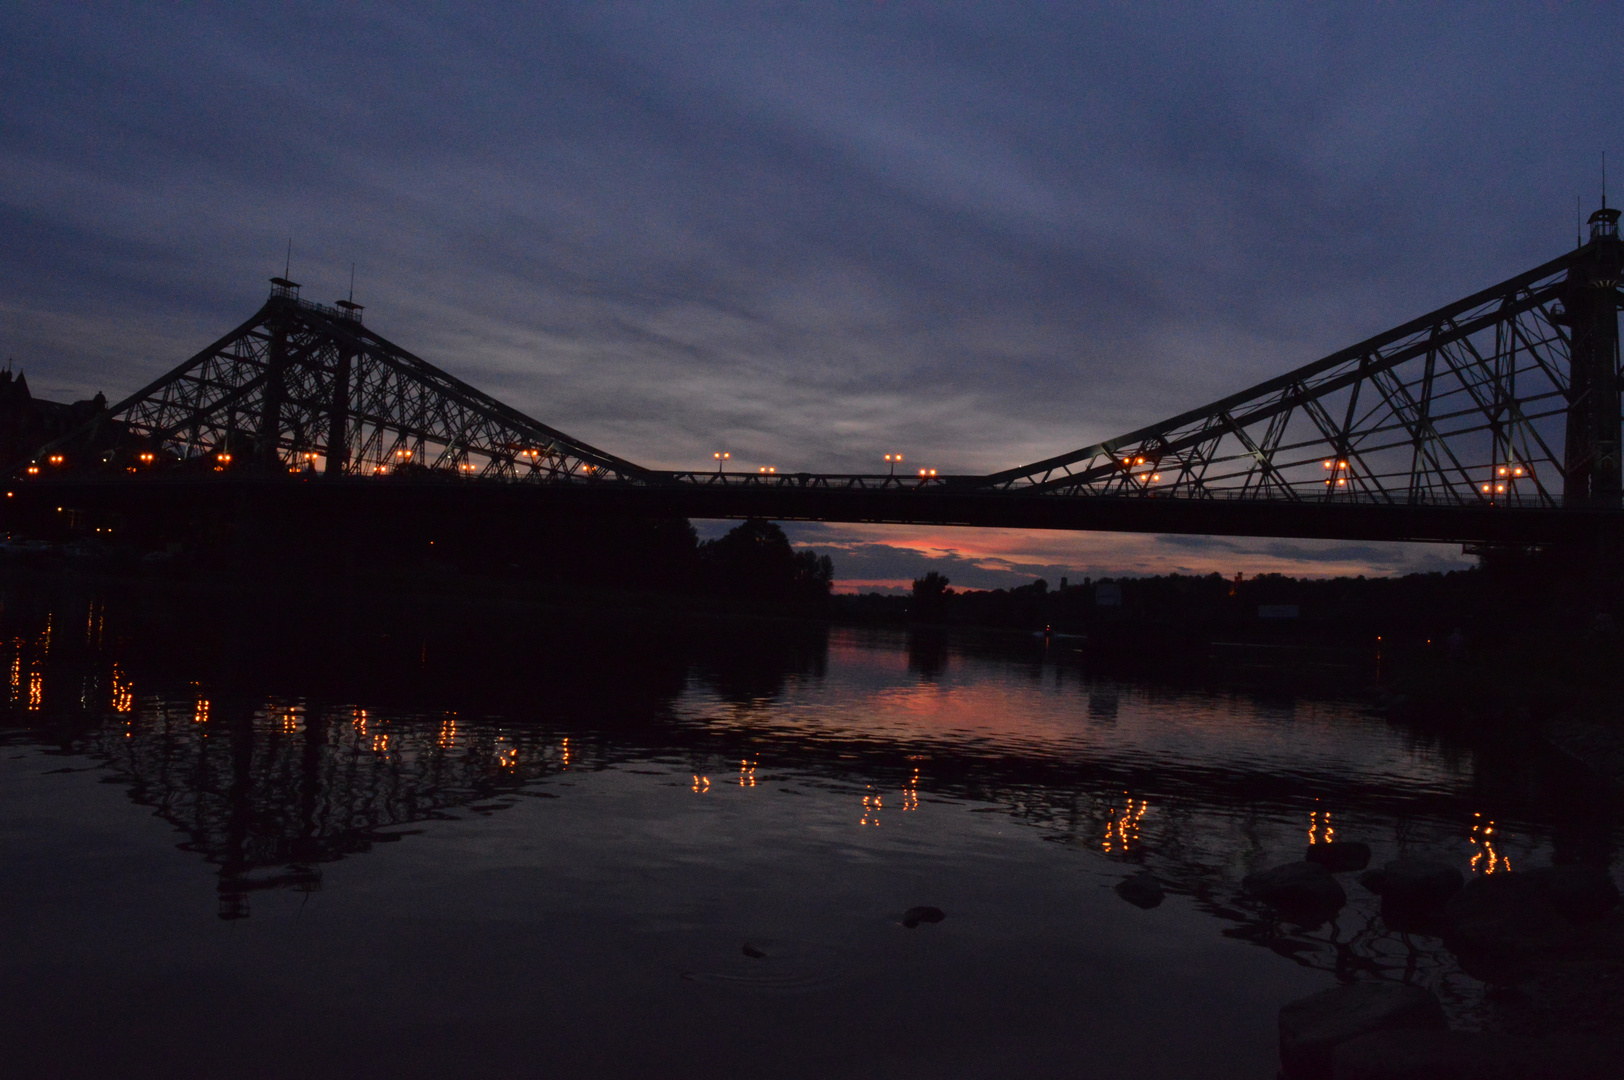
(313, 739)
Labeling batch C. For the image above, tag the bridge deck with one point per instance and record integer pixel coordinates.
(816, 498)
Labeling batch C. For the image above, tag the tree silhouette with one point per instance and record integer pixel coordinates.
(755, 561)
(930, 595)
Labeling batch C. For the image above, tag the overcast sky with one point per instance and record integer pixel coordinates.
(810, 234)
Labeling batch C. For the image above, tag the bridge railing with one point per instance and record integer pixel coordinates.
(143, 469)
(976, 485)
(834, 481)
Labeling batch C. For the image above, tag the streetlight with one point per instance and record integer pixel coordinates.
(720, 456)
(893, 460)
(768, 470)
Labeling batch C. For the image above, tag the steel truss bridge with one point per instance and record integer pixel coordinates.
(1492, 420)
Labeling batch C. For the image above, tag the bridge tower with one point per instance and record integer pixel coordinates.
(1592, 466)
(281, 309)
(337, 444)
(300, 382)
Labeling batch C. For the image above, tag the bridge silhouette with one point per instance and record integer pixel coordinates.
(1492, 420)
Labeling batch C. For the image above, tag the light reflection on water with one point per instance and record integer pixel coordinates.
(683, 801)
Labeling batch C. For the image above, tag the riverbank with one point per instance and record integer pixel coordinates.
(1562, 688)
(1556, 983)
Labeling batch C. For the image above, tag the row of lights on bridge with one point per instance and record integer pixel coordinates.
(223, 459)
(1131, 463)
(893, 460)
(1503, 474)
(721, 458)
(1497, 486)
(1339, 468)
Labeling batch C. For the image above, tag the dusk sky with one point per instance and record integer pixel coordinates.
(809, 234)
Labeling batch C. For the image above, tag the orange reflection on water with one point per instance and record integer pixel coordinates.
(359, 721)
(871, 810)
(123, 692)
(910, 792)
(701, 784)
(1486, 858)
(1319, 826)
(747, 773)
(564, 756)
(1122, 829)
(448, 732)
(200, 712)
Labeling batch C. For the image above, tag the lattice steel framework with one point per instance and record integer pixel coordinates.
(303, 386)
(1507, 397)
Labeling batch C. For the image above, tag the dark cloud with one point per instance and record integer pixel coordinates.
(1382, 558)
(976, 233)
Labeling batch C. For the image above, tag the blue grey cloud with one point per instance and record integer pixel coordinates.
(810, 234)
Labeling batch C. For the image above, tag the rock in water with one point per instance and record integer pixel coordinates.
(1414, 891)
(1310, 1029)
(1300, 888)
(916, 915)
(1579, 892)
(1501, 923)
(1419, 1054)
(1141, 890)
(753, 953)
(1340, 855)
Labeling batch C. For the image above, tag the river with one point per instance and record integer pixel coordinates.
(277, 837)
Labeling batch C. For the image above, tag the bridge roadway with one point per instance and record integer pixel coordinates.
(156, 503)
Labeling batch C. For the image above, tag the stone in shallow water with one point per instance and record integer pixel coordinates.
(1296, 888)
(916, 915)
(1340, 855)
(1500, 924)
(1419, 1054)
(1414, 891)
(1579, 892)
(1141, 890)
(1311, 1028)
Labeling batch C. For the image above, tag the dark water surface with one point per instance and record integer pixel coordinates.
(257, 839)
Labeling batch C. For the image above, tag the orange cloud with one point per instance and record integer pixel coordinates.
(871, 557)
